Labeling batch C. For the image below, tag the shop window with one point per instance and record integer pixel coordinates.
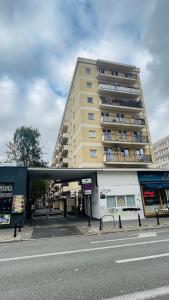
(130, 200)
(111, 201)
(121, 201)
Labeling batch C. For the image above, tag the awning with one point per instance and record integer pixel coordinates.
(157, 185)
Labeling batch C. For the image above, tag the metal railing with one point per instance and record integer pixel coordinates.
(124, 157)
(109, 73)
(110, 87)
(127, 103)
(108, 137)
(130, 120)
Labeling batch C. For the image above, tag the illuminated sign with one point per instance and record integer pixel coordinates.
(5, 187)
(149, 194)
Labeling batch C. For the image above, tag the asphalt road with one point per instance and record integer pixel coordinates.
(112, 266)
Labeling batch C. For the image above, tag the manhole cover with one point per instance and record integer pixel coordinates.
(59, 231)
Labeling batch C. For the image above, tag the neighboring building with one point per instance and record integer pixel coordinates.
(161, 153)
(104, 123)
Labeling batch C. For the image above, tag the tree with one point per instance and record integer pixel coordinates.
(25, 147)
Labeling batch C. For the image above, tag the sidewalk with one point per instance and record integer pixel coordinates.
(7, 235)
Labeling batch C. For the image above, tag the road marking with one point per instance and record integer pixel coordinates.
(120, 261)
(80, 250)
(149, 294)
(147, 234)
(141, 235)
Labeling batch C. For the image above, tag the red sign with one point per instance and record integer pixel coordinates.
(149, 194)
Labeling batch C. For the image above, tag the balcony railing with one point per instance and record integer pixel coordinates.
(117, 74)
(117, 88)
(114, 119)
(126, 138)
(122, 157)
(128, 103)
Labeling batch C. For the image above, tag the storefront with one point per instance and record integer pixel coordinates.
(155, 192)
(13, 181)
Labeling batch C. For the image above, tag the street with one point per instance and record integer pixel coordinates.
(111, 266)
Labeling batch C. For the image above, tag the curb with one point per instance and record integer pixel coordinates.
(99, 232)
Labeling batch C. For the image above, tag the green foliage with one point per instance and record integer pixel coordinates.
(25, 147)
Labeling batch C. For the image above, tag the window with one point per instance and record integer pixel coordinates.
(90, 99)
(92, 153)
(89, 84)
(88, 71)
(130, 200)
(92, 133)
(90, 116)
(121, 201)
(111, 201)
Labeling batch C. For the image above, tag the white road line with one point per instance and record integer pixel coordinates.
(80, 250)
(149, 294)
(153, 234)
(120, 261)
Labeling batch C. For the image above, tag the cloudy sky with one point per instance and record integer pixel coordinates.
(40, 41)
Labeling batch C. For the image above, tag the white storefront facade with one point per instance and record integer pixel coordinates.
(117, 193)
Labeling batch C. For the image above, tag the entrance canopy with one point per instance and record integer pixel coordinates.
(60, 174)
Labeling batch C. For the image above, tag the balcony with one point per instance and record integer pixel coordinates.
(121, 77)
(129, 138)
(64, 150)
(116, 89)
(64, 126)
(119, 121)
(123, 104)
(64, 138)
(121, 158)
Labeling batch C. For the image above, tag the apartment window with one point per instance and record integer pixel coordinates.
(90, 116)
(93, 153)
(92, 133)
(89, 84)
(121, 201)
(88, 71)
(90, 99)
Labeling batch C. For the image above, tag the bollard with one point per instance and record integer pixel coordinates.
(101, 224)
(120, 225)
(89, 221)
(20, 225)
(15, 230)
(139, 220)
(158, 222)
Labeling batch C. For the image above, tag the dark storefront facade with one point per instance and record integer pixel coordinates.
(155, 192)
(13, 187)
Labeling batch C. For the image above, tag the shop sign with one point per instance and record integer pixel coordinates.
(18, 204)
(149, 194)
(5, 219)
(5, 187)
(87, 180)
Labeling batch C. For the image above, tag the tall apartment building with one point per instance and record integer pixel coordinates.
(161, 153)
(104, 122)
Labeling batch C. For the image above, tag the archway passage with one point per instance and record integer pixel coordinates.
(56, 196)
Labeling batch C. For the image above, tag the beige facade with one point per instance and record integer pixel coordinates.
(104, 123)
(161, 153)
